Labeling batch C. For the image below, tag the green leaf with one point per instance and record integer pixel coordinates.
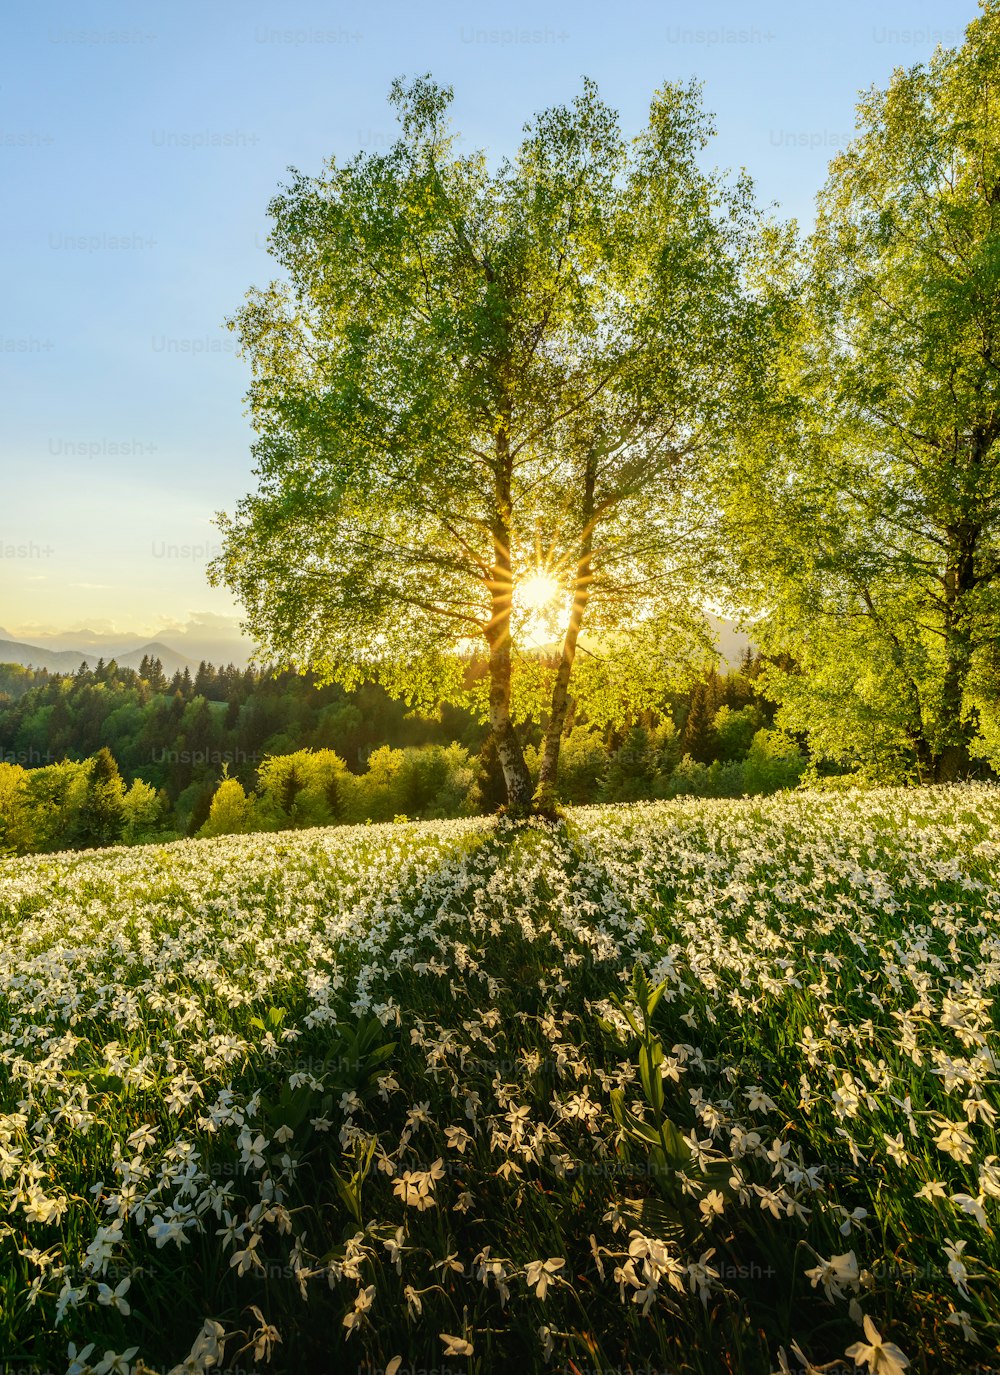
(349, 1193)
(650, 1059)
(654, 1217)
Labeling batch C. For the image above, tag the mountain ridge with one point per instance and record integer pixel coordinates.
(69, 660)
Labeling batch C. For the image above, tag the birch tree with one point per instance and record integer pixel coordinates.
(485, 399)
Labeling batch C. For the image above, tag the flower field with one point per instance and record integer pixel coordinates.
(675, 1087)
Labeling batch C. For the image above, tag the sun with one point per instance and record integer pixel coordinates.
(538, 592)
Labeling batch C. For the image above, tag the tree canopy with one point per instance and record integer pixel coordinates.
(869, 508)
(475, 380)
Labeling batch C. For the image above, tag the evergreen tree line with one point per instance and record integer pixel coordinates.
(113, 755)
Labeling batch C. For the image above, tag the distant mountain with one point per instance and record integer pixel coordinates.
(169, 658)
(214, 638)
(55, 660)
(732, 644)
(69, 660)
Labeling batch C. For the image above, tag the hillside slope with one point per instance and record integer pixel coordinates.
(399, 1091)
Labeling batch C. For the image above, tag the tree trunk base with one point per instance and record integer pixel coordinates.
(545, 803)
(953, 764)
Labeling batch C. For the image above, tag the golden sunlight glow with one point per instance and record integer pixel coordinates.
(537, 592)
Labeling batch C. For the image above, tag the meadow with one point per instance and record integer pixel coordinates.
(682, 1086)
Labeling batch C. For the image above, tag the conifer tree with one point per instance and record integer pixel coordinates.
(102, 813)
(699, 730)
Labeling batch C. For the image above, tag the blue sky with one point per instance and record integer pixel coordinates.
(139, 146)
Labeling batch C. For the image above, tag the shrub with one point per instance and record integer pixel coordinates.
(143, 813)
(735, 730)
(15, 831)
(232, 811)
(774, 761)
(307, 788)
(582, 761)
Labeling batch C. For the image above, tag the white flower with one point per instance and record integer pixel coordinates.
(252, 1149)
(701, 1151)
(413, 1305)
(779, 1150)
(932, 1189)
(362, 1302)
(806, 1366)
(850, 1218)
(415, 1187)
(455, 1346)
(113, 1364)
(247, 1258)
(616, 1217)
(712, 1205)
(895, 1147)
(835, 1274)
(758, 1101)
(882, 1358)
(972, 1206)
(989, 1177)
(540, 1273)
(78, 1360)
(115, 1298)
(395, 1247)
(170, 1229)
(954, 1140)
(265, 1338)
(701, 1274)
(963, 1320)
(957, 1271)
(207, 1350)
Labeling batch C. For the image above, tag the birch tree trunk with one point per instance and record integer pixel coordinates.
(508, 746)
(545, 794)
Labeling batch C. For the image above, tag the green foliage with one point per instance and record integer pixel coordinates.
(773, 762)
(699, 739)
(692, 778)
(231, 812)
(435, 782)
(243, 716)
(54, 803)
(473, 368)
(307, 788)
(734, 730)
(417, 783)
(867, 506)
(581, 765)
(311, 785)
(143, 814)
(631, 772)
(14, 832)
(100, 819)
(314, 788)
(16, 680)
(639, 767)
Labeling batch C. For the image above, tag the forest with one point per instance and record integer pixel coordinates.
(112, 755)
